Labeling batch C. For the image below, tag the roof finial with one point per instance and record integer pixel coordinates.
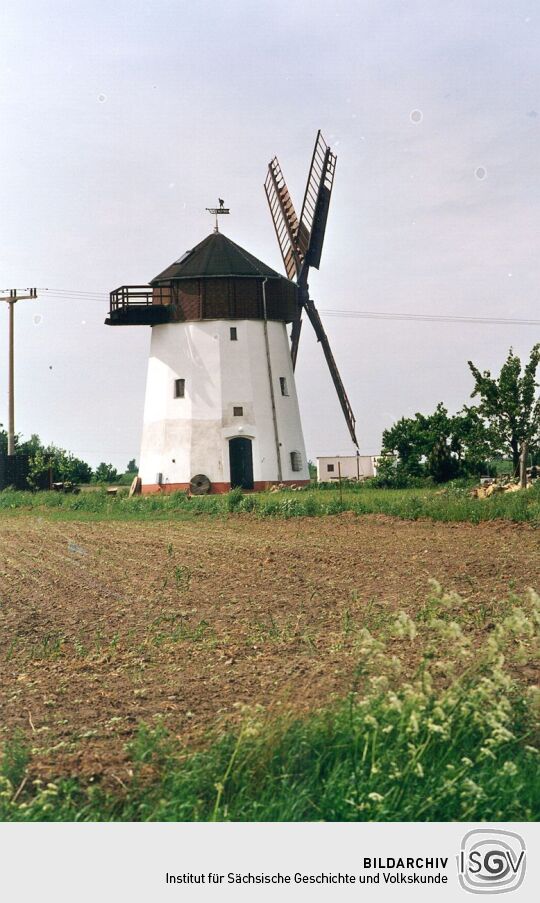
(215, 211)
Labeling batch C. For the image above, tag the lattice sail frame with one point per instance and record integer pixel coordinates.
(310, 236)
(301, 242)
(284, 218)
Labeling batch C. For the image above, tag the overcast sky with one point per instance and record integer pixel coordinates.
(122, 121)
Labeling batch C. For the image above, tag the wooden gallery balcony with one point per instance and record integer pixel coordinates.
(217, 298)
(139, 305)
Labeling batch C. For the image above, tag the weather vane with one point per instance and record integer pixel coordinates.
(215, 211)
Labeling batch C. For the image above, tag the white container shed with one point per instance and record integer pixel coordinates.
(346, 467)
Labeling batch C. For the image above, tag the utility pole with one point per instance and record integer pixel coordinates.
(12, 300)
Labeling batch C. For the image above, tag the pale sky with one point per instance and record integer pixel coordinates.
(122, 121)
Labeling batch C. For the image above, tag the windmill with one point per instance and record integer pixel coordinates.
(221, 409)
(300, 242)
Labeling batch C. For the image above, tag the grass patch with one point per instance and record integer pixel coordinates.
(455, 742)
(451, 504)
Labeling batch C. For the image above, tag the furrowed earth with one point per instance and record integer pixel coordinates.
(107, 625)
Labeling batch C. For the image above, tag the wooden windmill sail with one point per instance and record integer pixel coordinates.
(300, 242)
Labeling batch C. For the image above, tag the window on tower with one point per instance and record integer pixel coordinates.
(234, 334)
(238, 412)
(179, 388)
(283, 384)
(296, 461)
(330, 468)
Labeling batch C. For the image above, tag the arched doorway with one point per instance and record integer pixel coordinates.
(241, 462)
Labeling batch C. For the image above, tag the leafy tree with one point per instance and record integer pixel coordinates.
(65, 466)
(38, 467)
(4, 440)
(423, 445)
(29, 446)
(473, 441)
(403, 441)
(105, 473)
(438, 445)
(509, 404)
(132, 467)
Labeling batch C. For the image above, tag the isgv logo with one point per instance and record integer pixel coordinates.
(491, 861)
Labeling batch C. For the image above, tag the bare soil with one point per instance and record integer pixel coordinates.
(107, 625)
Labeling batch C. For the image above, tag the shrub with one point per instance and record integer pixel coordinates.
(234, 499)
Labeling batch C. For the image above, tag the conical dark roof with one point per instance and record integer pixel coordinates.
(216, 256)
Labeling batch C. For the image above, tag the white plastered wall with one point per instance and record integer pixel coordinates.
(187, 436)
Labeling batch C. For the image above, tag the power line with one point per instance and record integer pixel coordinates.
(75, 291)
(64, 294)
(433, 318)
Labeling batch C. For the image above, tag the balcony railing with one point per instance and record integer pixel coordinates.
(139, 305)
(139, 295)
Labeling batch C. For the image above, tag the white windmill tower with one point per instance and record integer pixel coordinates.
(221, 408)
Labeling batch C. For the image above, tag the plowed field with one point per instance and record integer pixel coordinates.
(106, 625)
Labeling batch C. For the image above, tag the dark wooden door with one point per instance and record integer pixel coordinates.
(241, 461)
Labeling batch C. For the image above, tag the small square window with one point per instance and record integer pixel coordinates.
(283, 384)
(238, 412)
(296, 461)
(179, 388)
(330, 468)
(234, 334)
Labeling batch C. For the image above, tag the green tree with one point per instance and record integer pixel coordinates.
(424, 445)
(438, 445)
(509, 405)
(132, 467)
(4, 440)
(403, 441)
(29, 446)
(473, 441)
(105, 473)
(39, 464)
(67, 467)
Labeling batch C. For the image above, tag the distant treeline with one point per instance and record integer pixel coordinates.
(65, 467)
(505, 424)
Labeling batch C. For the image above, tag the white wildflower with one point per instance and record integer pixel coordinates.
(435, 728)
(404, 626)
(413, 723)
